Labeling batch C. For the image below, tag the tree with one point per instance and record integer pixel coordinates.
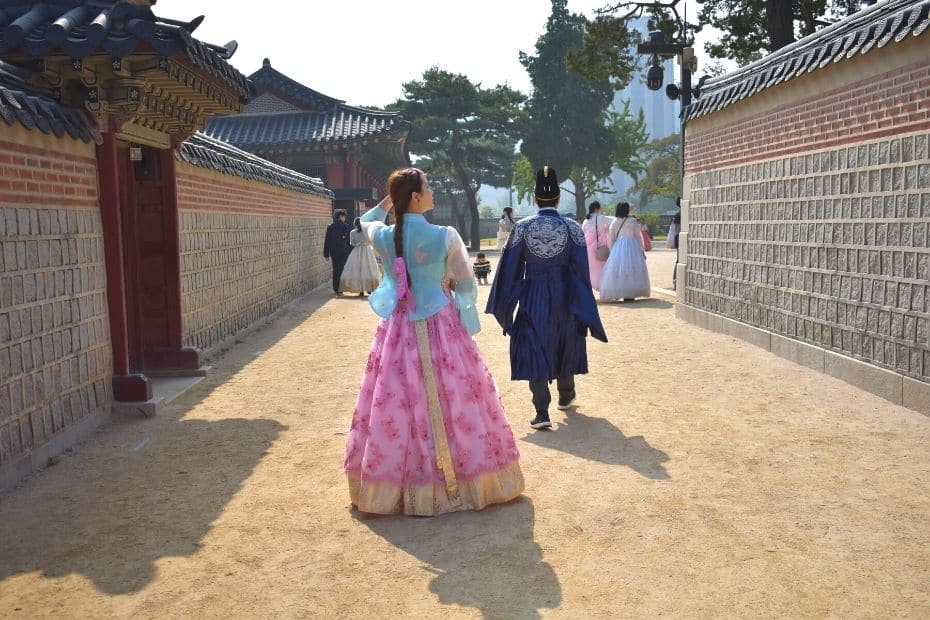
(524, 178)
(754, 28)
(568, 122)
(467, 132)
(630, 136)
(662, 175)
(751, 28)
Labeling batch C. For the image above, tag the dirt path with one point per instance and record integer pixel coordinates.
(700, 476)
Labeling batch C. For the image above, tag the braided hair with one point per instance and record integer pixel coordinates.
(401, 186)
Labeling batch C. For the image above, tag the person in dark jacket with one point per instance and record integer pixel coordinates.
(544, 270)
(336, 246)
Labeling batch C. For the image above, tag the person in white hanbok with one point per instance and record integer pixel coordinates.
(596, 229)
(625, 275)
(362, 274)
(504, 226)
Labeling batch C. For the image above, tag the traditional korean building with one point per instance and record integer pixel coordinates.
(351, 149)
(130, 244)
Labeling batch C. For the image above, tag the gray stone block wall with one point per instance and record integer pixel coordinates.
(55, 356)
(830, 248)
(237, 268)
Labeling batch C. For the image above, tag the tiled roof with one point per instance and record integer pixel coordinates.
(269, 79)
(206, 152)
(872, 28)
(79, 28)
(257, 132)
(20, 104)
(321, 120)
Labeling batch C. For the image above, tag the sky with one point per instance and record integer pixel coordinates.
(362, 51)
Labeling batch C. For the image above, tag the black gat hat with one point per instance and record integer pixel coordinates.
(547, 184)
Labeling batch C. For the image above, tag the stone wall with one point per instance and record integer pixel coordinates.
(247, 248)
(55, 358)
(807, 218)
(832, 249)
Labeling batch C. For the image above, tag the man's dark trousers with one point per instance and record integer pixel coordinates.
(339, 263)
(542, 398)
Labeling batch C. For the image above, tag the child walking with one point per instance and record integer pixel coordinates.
(482, 268)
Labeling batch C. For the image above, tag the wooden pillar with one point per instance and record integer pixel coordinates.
(126, 386)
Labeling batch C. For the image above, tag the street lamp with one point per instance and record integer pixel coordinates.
(656, 74)
(657, 46)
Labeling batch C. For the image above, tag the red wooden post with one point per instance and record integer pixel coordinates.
(126, 386)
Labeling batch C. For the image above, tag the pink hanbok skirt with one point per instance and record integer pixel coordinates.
(429, 434)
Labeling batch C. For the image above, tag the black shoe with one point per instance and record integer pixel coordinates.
(541, 421)
(566, 403)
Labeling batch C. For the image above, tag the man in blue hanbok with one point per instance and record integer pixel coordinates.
(544, 270)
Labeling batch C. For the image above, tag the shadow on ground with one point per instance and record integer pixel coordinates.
(97, 514)
(597, 439)
(638, 304)
(488, 560)
(107, 523)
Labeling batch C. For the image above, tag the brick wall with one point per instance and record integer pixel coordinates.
(247, 248)
(806, 214)
(55, 358)
(889, 104)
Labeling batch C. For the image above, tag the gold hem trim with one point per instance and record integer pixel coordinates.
(431, 499)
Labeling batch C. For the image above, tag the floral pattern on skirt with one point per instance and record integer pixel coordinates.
(390, 453)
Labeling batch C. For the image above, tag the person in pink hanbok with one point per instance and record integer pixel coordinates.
(428, 434)
(595, 228)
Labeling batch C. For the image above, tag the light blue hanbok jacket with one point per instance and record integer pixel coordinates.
(434, 256)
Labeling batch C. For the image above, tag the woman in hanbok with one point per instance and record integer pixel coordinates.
(504, 226)
(362, 274)
(596, 229)
(625, 275)
(429, 434)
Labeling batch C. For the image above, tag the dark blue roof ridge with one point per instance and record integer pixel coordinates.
(812, 40)
(289, 87)
(21, 104)
(204, 151)
(271, 77)
(874, 26)
(78, 28)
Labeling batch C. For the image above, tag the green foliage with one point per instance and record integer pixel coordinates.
(524, 178)
(569, 126)
(753, 28)
(487, 211)
(652, 222)
(750, 28)
(462, 131)
(605, 52)
(662, 175)
(630, 136)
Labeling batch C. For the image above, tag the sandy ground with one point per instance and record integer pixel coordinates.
(699, 476)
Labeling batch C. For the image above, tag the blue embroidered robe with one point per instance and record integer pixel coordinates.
(543, 275)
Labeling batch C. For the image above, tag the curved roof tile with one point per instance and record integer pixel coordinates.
(879, 25)
(36, 111)
(79, 28)
(205, 152)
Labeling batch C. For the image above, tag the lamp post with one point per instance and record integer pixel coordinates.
(658, 47)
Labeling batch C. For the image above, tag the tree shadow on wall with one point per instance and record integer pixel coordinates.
(111, 519)
(597, 439)
(488, 560)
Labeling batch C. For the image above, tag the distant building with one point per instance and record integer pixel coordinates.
(660, 111)
(351, 149)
